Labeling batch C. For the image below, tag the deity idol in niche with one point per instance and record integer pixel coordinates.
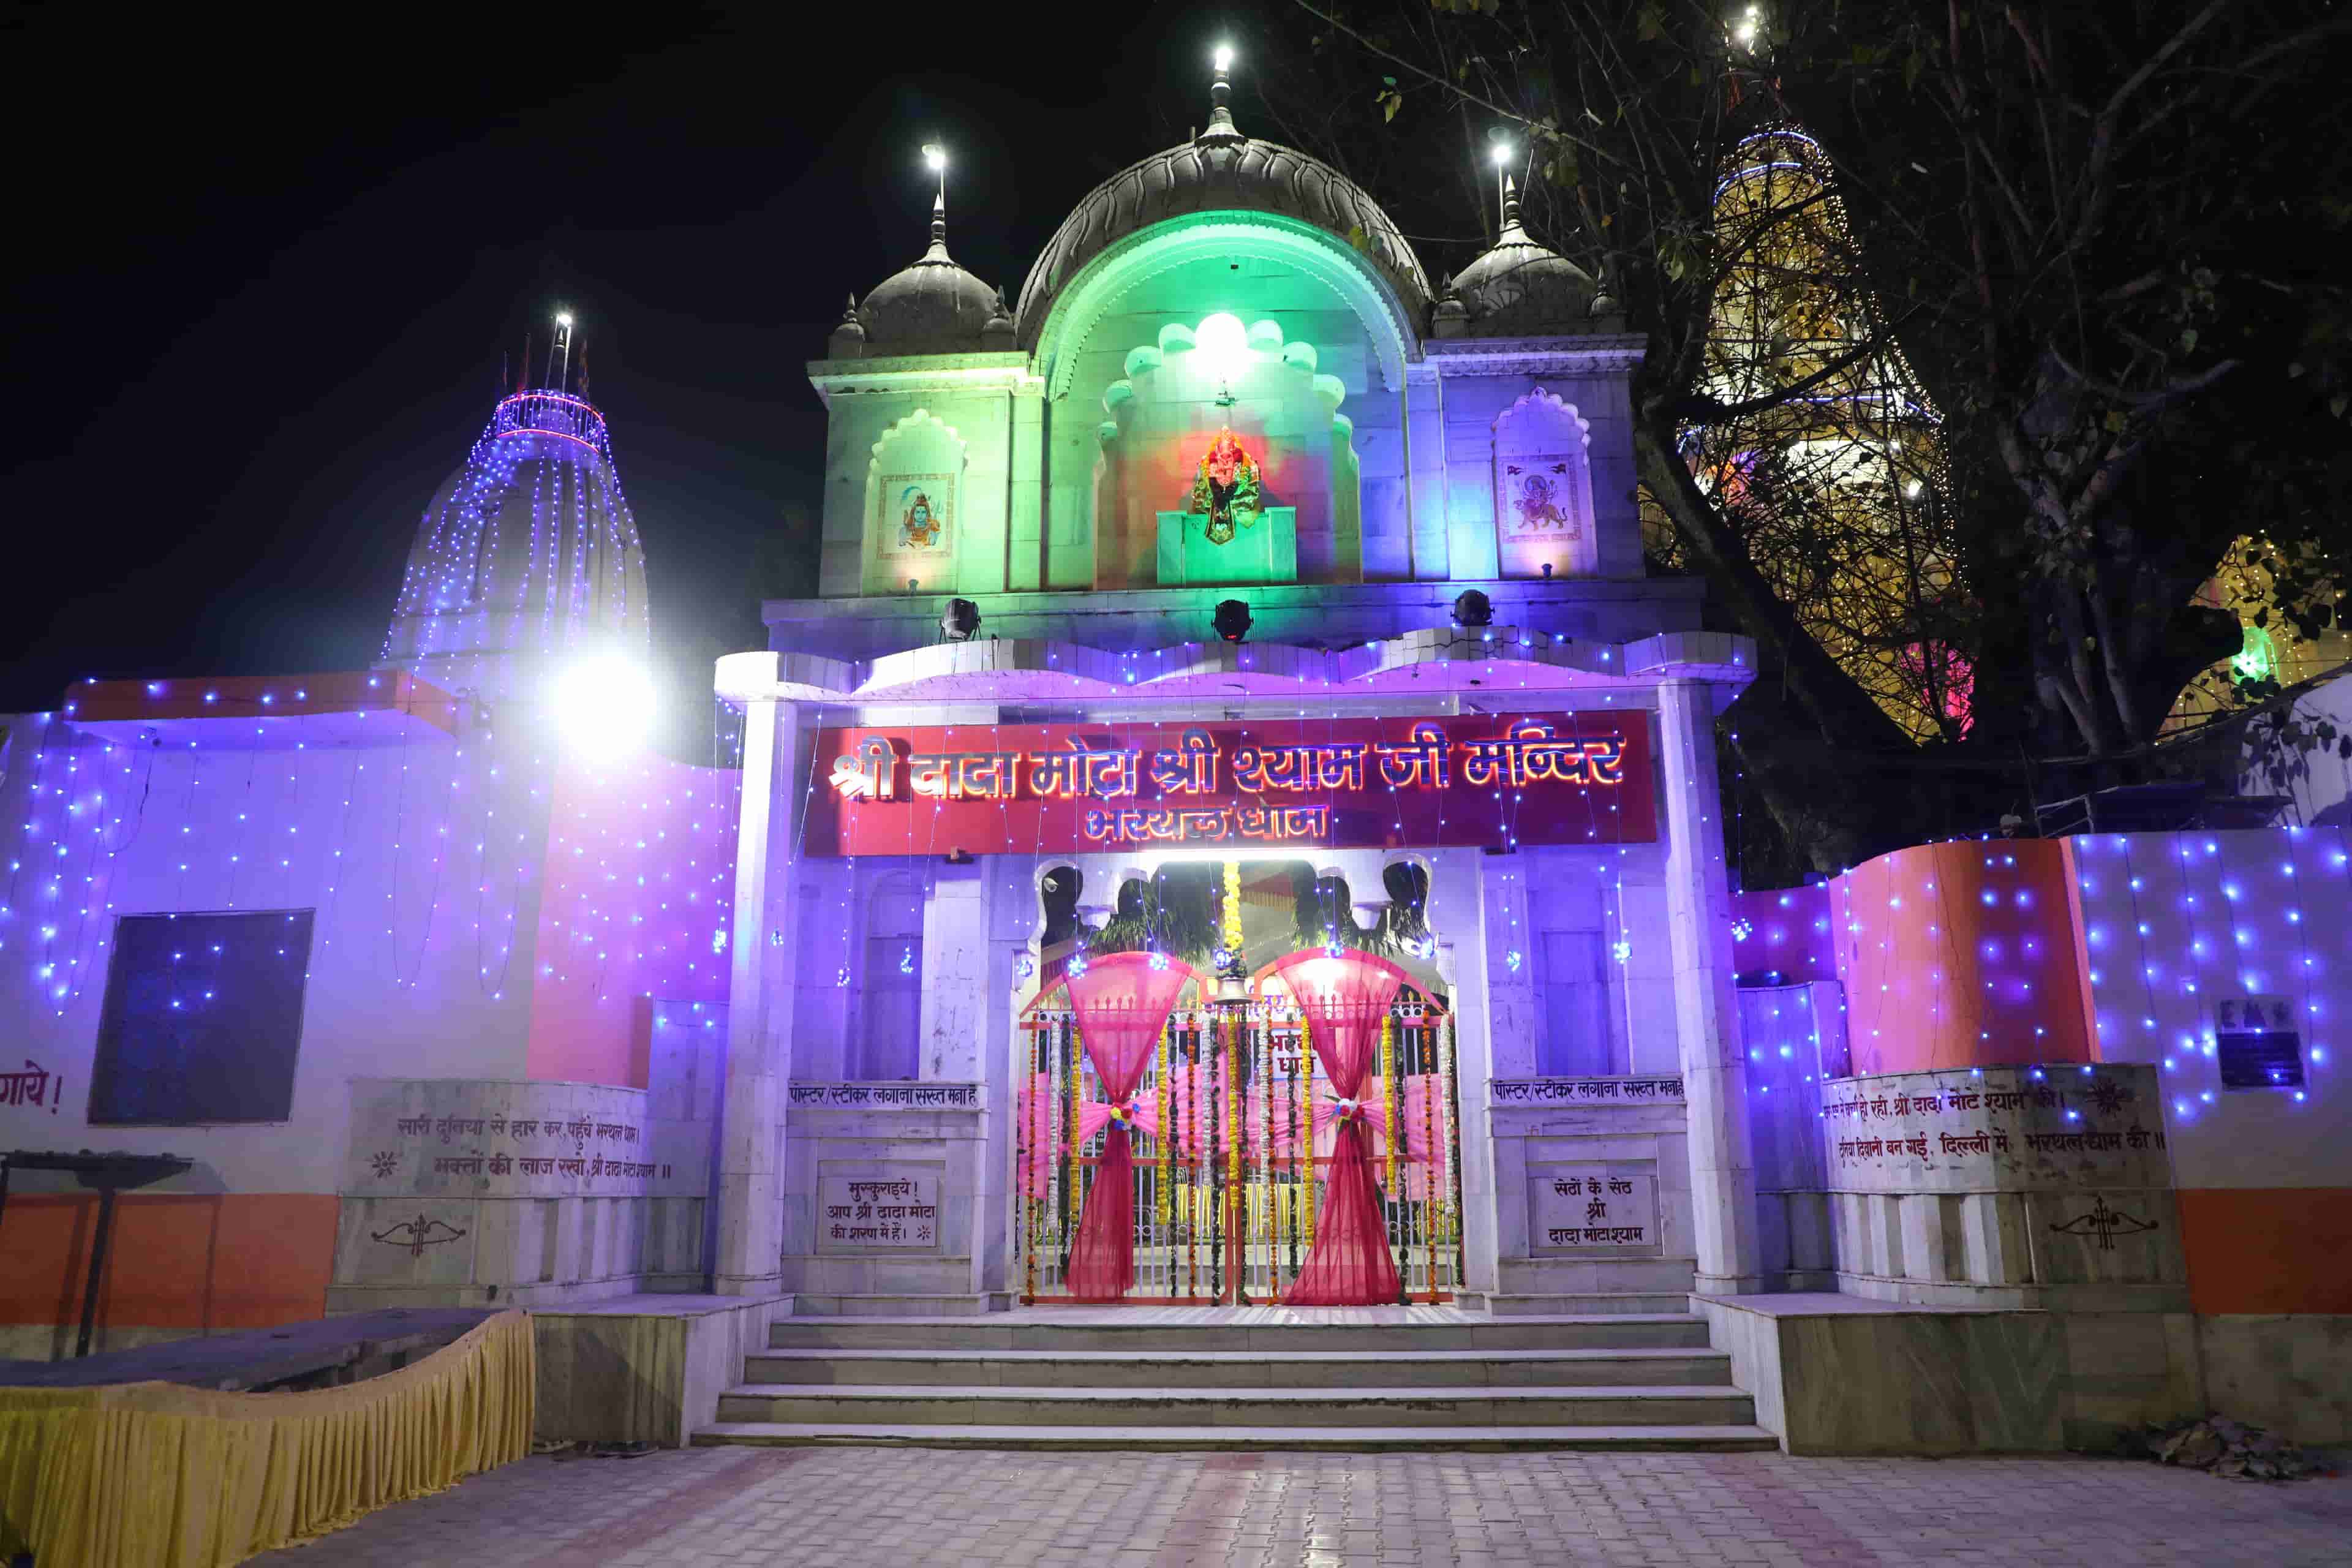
(919, 525)
(1225, 488)
(1538, 497)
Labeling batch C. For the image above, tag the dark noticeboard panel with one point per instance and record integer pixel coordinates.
(204, 1016)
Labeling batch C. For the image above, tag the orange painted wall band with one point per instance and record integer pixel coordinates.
(205, 1261)
(2268, 1249)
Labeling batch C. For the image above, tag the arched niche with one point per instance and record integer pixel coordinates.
(1544, 522)
(914, 506)
(1131, 275)
(1184, 391)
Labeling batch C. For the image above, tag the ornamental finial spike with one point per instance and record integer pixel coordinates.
(939, 250)
(1221, 131)
(1511, 229)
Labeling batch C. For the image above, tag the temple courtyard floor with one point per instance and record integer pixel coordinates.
(738, 1507)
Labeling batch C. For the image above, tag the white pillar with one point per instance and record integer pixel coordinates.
(751, 1204)
(1707, 1021)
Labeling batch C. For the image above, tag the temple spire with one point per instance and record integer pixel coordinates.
(935, 158)
(1221, 132)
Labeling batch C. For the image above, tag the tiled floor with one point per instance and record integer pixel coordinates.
(894, 1507)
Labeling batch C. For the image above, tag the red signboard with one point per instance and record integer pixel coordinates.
(1486, 780)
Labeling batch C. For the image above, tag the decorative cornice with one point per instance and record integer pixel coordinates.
(924, 373)
(1594, 355)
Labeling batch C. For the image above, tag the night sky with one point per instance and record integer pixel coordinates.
(260, 285)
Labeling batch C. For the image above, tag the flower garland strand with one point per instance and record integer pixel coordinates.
(1432, 1208)
(1070, 1197)
(1193, 1161)
(1307, 1127)
(1163, 1187)
(1262, 1049)
(1453, 1152)
(1216, 1167)
(1233, 1125)
(1031, 1204)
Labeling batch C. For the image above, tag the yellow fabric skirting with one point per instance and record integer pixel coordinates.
(152, 1475)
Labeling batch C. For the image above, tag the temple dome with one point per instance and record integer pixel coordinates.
(1222, 170)
(933, 307)
(1520, 288)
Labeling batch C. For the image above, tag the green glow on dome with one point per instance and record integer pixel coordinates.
(2258, 660)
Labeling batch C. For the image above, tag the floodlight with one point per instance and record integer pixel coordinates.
(604, 705)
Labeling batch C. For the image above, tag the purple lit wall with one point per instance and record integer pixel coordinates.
(639, 883)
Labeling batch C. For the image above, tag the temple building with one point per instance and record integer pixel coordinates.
(1237, 828)
(1236, 551)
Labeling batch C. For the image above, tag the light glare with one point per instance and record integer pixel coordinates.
(604, 706)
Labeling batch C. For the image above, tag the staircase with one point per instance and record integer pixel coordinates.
(1362, 1379)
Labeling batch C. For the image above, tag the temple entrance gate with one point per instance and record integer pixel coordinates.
(1180, 1136)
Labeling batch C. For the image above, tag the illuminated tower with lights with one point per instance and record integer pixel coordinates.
(528, 556)
(1841, 491)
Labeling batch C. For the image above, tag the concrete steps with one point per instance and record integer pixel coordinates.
(1645, 1302)
(1212, 1439)
(1212, 1379)
(1101, 1332)
(932, 1405)
(808, 1305)
(1448, 1368)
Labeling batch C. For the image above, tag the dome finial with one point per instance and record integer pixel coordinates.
(935, 158)
(1221, 132)
(1511, 227)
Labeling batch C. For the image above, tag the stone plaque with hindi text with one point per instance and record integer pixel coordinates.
(886, 1206)
(1605, 1207)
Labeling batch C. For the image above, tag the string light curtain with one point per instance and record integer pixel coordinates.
(1122, 1003)
(1343, 1001)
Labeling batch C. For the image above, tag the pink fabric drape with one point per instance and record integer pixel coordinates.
(1343, 1001)
(1188, 1121)
(1122, 1002)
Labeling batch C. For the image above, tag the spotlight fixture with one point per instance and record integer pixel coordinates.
(960, 620)
(1473, 609)
(1232, 620)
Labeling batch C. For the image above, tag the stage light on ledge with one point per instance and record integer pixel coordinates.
(1232, 619)
(604, 706)
(960, 620)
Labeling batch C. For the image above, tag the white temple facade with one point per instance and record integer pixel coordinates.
(1330, 581)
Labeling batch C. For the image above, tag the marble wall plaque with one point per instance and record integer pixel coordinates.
(478, 1138)
(878, 1205)
(1592, 1206)
(2005, 1128)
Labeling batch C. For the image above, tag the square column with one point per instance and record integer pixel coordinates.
(1707, 1024)
(749, 1260)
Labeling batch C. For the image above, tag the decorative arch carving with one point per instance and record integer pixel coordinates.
(1104, 285)
(1544, 522)
(914, 505)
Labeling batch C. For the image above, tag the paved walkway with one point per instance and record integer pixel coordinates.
(896, 1508)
